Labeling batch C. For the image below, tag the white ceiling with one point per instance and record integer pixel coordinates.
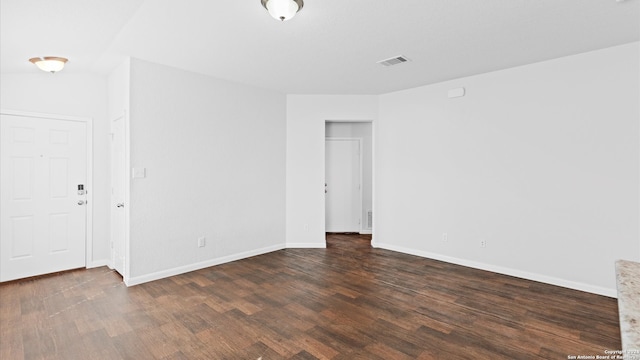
(330, 47)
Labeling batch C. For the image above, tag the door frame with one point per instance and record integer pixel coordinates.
(126, 192)
(88, 236)
(360, 156)
(374, 126)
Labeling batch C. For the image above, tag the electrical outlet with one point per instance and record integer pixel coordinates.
(483, 243)
(445, 237)
(202, 241)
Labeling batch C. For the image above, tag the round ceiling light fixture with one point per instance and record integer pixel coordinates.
(50, 64)
(282, 9)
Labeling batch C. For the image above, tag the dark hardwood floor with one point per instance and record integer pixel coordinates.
(348, 301)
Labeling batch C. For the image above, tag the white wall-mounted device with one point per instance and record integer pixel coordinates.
(454, 93)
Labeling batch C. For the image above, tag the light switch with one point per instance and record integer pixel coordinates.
(139, 173)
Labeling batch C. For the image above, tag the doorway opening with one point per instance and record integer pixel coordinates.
(119, 196)
(349, 242)
(348, 178)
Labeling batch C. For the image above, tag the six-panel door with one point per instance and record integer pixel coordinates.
(42, 211)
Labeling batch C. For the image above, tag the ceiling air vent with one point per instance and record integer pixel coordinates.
(393, 61)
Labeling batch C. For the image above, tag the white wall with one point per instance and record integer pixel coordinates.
(80, 95)
(118, 85)
(214, 153)
(306, 116)
(541, 161)
(362, 131)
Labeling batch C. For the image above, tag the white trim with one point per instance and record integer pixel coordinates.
(43, 115)
(348, 120)
(361, 182)
(373, 182)
(89, 170)
(307, 245)
(99, 263)
(89, 193)
(127, 197)
(503, 270)
(131, 281)
(366, 232)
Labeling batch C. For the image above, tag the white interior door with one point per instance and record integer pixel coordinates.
(342, 190)
(119, 178)
(42, 212)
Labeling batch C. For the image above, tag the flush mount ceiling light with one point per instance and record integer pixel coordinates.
(282, 9)
(50, 64)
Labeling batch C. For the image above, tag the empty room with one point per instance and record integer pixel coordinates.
(320, 179)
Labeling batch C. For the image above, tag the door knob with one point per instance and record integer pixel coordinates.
(120, 205)
(81, 202)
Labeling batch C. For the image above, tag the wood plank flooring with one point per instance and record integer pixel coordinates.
(348, 301)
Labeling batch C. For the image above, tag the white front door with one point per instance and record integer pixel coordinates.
(118, 181)
(43, 215)
(342, 190)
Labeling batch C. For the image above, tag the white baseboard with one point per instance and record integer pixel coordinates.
(366, 232)
(306, 245)
(98, 263)
(473, 264)
(131, 281)
(503, 270)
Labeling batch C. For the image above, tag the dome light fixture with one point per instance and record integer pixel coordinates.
(50, 64)
(282, 9)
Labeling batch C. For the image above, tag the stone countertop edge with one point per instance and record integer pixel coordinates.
(628, 284)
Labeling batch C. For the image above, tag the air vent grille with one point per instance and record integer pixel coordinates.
(393, 61)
